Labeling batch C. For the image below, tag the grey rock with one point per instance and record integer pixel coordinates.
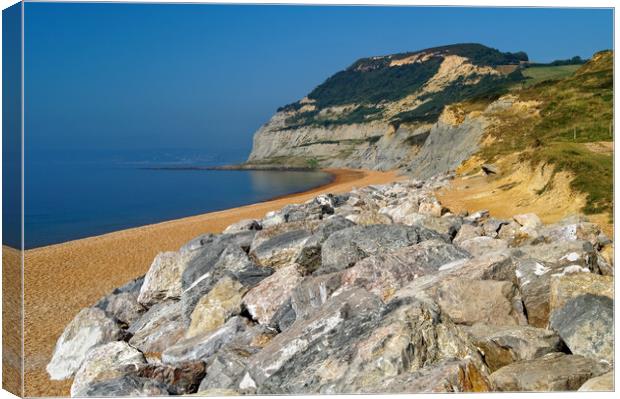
(163, 280)
(179, 379)
(552, 372)
(280, 250)
(466, 232)
(125, 307)
(483, 245)
(243, 225)
(502, 345)
(160, 327)
(231, 261)
(346, 247)
(127, 385)
(385, 273)
(312, 292)
(480, 301)
(586, 324)
(491, 227)
(89, 328)
(105, 362)
(293, 359)
(201, 347)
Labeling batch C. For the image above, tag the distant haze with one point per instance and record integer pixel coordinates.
(148, 76)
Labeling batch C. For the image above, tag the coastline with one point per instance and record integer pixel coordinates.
(63, 278)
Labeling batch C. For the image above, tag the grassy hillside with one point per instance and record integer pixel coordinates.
(570, 114)
(538, 74)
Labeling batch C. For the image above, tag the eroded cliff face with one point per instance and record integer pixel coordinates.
(389, 112)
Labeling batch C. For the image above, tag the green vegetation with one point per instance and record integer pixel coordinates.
(537, 74)
(572, 111)
(313, 163)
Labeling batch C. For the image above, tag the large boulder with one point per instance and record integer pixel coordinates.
(125, 308)
(243, 225)
(312, 292)
(385, 273)
(294, 360)
(448, 376)
(224, 257)
(503, 345)
(280, 250)
(105, 362)
(478, 246)
(215, 308)
(160, 327)
(565, 287)
(264, 300)
(89, 328)
(480, 301)
(601, 383)
(163, 280)
(179, 379)
(586, 324)
(126, 385)
(346, 247)
(552, 372)
(201, 347)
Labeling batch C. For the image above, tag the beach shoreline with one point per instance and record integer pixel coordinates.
(61, 279)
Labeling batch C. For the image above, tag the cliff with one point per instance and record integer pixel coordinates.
(379, 112)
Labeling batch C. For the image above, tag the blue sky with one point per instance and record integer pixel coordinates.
(135, 76)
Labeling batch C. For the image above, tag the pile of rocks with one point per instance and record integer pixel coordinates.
(381, 290)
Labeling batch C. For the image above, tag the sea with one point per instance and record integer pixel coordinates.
(76, 194)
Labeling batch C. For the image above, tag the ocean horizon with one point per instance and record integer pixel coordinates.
(78, 194)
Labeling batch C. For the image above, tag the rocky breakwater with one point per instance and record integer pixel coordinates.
(378, 290)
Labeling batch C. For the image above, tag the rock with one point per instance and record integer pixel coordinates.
(383, 274)
(243, 225)
(561, 253)
(312, 292)
(125, 307)
(225, 371)
(160, 327)
(508, 344)
(264, 300)
(163, 280)
(528, 220)
(132, 287)
(367, 218)
(483, 245)
(586, 324)
(552, 372)
(232, 261)
(509, 232)
(564, 287)
(603, 382)
(401, 210)
(499, 266)
(179, 379)
(127, 385)
(283, 317)
(431, 208)
(491, 227)
(105, 362)
(412, 335)
(466, 232)
(208, 254)
(575, 230)
(201, 347)
(280, 250)
(309, 258)
(464, 302)
(477, 217)
(447, 376)
(89, 328)
(447, 224)
(293, 360)
(273, 218)
(215, 308)
(534, 279)
(346, 247)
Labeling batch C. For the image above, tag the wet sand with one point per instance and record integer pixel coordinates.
(64, 278)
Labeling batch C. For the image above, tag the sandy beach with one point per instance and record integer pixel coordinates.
(61, 279)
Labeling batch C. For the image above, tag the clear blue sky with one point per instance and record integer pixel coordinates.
(129, 76)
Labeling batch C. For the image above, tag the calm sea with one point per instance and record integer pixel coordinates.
(71, 195)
